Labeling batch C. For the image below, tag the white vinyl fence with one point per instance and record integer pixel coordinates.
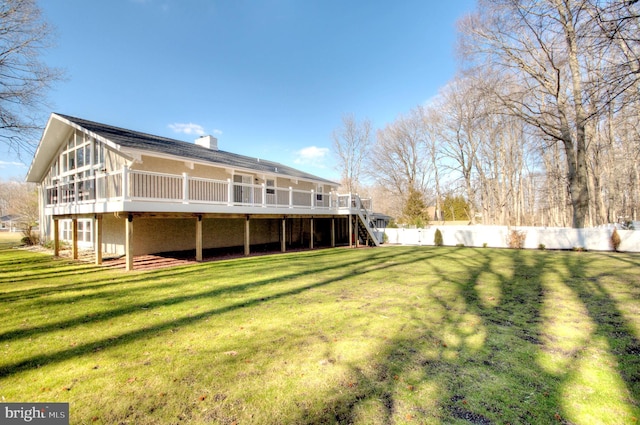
(592, 239)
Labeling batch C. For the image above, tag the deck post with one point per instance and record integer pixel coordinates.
(283, 242)
(185, 188)
(98, 238)
(311, 235)
(333, 232)
(74, 236)
(129, 243)
(56, 237)
(247, 237)
(264, 195)
(350, 231)
(199, 238)
(126, 194)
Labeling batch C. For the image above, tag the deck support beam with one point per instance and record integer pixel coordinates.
(129, 243)
(350, 231)
(311, 235)
(333, 232)
(56, 238)
(98, 239)
(247, 237)
(283, 241)
(74, 236)
(199, 238)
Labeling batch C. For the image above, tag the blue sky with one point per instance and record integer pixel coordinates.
(268, 78)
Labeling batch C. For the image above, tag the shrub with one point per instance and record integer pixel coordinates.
(437, 238)
(615, 240)
(516, 239)
(30, 239)
(542, 247)
(61, 244)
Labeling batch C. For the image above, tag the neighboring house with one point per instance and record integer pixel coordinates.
(128, 193)
(9, 223)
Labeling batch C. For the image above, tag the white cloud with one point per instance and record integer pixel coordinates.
(4, 164)
(312, 155)
(190, 128)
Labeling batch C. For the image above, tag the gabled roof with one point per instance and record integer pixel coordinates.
(143, 142)
(10, 217)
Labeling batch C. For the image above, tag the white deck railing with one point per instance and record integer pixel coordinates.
(133, 185)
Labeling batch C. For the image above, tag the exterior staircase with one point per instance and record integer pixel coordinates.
(366, 229)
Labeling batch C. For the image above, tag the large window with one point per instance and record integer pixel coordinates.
(72, 172)
(85, 231)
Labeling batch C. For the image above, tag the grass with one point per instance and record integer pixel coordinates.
(374, 336)
(10, 239)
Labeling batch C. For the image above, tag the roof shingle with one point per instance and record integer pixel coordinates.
(163, 145)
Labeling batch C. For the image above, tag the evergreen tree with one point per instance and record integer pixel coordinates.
(414, 211)
(455, 207)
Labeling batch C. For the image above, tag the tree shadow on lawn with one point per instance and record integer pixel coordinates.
(495, 378)
(434, 369)
(467, 356)
(114, 279)
(27, 266)
(347, 269)
(610, 321)
(84, 288)
(153, 280)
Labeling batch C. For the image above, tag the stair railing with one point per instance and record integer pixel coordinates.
(366, 219)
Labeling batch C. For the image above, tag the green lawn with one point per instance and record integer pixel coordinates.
(9, 239)
(389, 335)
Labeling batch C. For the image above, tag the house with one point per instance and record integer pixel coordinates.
(123, 192)
(9, 223)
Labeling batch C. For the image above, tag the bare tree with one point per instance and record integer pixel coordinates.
(352, 144)
(461, 130)
(543, 48)
(24, 79)
(617, 34)
(432, 119)
(20, 200)
(400, 162)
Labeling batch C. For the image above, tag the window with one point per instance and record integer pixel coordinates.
(72, 160)
(74, 168)
(80, 157)
(242, 192)
(98, 152)
(85, 232)
(271, 184)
